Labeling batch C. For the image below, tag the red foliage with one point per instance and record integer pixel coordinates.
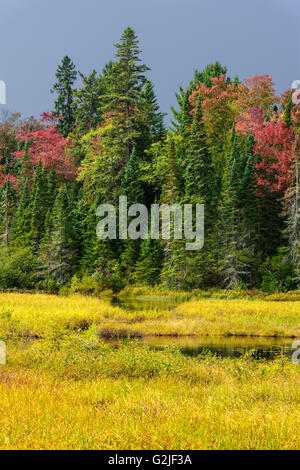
(274, 140)
(218, 111)
(251, 120)
(4, 178)
(50, 146)
(274, 143)
(257, 91)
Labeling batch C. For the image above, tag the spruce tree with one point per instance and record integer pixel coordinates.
(66, 76)
(131, 186)
(199, 170)
(22, 222)
(7, 210)
(58, 257)
(39, 206)
(172, 188)
(124, 88)
(88, 102)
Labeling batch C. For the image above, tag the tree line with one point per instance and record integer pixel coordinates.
(230, 146)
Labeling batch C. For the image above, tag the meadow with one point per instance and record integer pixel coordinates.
(63, 387)
(42, 315)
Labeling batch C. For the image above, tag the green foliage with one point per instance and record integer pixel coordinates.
(118, 143)
(18, 269)
(131, 186)
(66, 76)
(277, 273)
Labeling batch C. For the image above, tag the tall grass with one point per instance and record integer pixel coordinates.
(32, 315)
(70, 390)
(77, 393)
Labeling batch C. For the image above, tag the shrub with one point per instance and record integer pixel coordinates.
(18, 269)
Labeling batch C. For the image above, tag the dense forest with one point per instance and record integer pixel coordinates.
(231, 146)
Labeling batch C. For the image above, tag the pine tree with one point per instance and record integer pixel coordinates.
(125, 90)
(131, 186)
(172, 188)
(239, 215)
(26, 171)
(147, 269)
(22, 222)
(6, 212)
(39, 206)
(150, 120)
(199, 169)
(66, 76)
(58, 256)
(88, 102)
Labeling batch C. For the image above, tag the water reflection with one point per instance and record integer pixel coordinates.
(260, 348)
(233, 346)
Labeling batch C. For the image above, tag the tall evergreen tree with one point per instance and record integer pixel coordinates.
(57, 255)
(66, 76)
(131, 186)
(125, 89)
(88, 102)
(172, 188)
(6, 212)
(199, 169)
(153, 123)
(22, 222)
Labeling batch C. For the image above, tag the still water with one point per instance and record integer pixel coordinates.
(233, 346)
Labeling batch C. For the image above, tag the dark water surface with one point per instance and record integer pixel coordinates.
(233, 346)
(258, 348)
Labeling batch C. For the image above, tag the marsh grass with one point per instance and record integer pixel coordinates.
(69, 389)
(78, 393)
(48, 316)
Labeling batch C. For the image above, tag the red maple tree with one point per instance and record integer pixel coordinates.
(50, 146)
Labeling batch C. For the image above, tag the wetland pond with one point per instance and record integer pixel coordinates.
(222, 346)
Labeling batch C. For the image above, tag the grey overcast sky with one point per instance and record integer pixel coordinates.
(176, 37)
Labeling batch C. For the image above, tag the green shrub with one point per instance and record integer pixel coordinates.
(278, 273)
(18, 269)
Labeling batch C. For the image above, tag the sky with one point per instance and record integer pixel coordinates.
(176, 37)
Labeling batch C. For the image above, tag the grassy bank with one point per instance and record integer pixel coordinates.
(78, 393)
(40, 315)
(70, 390)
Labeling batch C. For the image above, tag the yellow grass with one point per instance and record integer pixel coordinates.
(195, 404)
(47, 316)
(69, 390)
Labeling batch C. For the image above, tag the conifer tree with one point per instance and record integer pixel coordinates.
(60, 257)
(124, 87)
(22, 222)
(66, 76)
(239, 219)
(6, 212)
(39, 206)
(172, 188)
(147, 269)
(131, 186)
(26, 172)
(199, 170)
(88, 102)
